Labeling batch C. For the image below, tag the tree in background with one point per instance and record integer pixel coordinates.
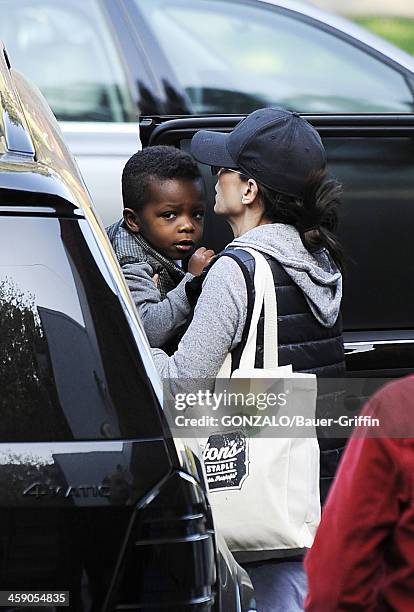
(29, 406)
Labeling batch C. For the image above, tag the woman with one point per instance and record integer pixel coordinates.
(273, 191)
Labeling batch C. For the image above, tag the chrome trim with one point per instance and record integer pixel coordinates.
(372, 343)
(364, 346)
(28, 210)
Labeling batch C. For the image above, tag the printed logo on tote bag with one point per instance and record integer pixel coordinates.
(226, 460)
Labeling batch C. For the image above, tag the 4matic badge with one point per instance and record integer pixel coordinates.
(39, 490)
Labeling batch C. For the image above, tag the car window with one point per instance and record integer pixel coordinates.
(66, 49)
(69, 367)
(235, 57)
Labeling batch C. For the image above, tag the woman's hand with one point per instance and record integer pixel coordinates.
(199, 260)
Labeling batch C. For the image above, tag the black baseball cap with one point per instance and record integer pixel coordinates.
(276, 147)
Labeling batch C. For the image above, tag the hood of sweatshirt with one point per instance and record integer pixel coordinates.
(315, 273)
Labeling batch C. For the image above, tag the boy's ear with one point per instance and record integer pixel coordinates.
(131, 219)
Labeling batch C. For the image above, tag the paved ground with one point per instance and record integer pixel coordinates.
(368, 7)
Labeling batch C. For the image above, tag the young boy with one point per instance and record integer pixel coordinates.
(162, 225)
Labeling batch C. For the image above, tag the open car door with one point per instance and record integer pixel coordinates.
(373, 157)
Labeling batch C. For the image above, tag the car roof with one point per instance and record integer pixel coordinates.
(33, 155)
(15, 137)
(348, 28)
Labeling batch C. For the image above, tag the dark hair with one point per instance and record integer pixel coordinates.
(162, 163)
(314, 216)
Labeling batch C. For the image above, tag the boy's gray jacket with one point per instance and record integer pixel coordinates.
(163, 308)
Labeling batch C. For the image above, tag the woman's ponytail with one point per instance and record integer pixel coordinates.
(314, 216)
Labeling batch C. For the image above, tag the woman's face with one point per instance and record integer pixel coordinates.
(229, 190)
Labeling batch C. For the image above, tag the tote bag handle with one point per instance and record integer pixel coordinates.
(265, 296)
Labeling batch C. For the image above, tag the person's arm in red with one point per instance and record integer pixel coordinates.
(346, 557)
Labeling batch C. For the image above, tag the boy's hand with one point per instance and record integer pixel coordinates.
(199, 260)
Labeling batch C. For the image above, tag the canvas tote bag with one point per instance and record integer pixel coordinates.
(264, 488)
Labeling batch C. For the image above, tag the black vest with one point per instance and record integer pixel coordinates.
(303, 342)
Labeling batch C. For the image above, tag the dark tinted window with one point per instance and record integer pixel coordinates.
(377, 218)
(69, 368)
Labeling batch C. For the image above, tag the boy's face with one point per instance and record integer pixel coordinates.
(172, 219)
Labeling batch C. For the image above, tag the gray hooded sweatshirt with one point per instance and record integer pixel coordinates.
(220, 313)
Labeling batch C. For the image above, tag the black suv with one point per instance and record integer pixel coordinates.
(96, 497)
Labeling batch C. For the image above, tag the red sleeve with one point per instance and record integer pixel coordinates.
(344, 561)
